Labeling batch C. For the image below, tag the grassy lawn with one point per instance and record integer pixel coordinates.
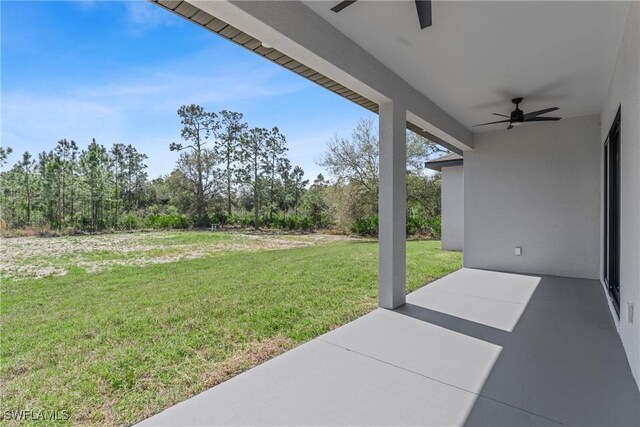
(115, 328)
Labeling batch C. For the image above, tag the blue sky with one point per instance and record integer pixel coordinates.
(118, 71)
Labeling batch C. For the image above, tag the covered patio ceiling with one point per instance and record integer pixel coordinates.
(470, 63)
(478, 55)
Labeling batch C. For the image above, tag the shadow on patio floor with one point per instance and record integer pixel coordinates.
(473, 348)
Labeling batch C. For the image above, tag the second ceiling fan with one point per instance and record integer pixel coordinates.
(423, 7)
(518, 116)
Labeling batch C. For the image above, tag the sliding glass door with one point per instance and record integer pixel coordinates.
(612, 212)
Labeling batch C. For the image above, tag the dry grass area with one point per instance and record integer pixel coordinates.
(38, 257)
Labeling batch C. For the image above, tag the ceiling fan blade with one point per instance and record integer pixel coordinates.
(491, 123)
(337, 8)
(501, 115)
(539, 112)
(424, 13)
(542, 119)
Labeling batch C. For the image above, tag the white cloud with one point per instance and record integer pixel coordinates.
(32, 122)
(140, 15)
(168, 87)
(138, 106)
(143, 15)
(86, 4)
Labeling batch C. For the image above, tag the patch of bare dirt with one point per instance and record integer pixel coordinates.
(36, 257)
(17, 248)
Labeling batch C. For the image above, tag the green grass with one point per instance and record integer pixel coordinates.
(117, 346)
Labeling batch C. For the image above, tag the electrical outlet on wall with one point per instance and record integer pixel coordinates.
(518, 251)
(630, 312)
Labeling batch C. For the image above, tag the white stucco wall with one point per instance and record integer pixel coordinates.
(624, 92)
(536, 187)
(452, 208)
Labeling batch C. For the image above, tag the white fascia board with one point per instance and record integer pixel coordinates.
(297, 31)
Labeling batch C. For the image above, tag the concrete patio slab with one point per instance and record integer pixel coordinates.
(491, 312)
(566, 351)
(460, 360)
(554, 360)
(486, 284)
(322, 384)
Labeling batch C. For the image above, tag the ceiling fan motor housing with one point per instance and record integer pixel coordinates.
(517, 115)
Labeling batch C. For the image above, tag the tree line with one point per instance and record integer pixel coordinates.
(227, 173)
(68, 187)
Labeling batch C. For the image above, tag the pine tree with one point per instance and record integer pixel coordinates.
(25, 168)
(196, 161)
(284, 170)
(274, 150)
(117, 165)
(254, 160)
(228, 149)
(4, 155)
(94, 165)
(299, 185)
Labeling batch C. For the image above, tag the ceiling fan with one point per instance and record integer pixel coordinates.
(518, 116)
(423, 7)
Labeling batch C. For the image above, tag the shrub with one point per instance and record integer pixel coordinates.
(167, 221)
(278, 221)
(247, 220)
(305, 223)
(130, 222)
(322, 221)
(233, 219)
(419, 223)
(435, 227)
(367, 226)
(415, 224)
(220, 218)
(242, 220)
(291, 222)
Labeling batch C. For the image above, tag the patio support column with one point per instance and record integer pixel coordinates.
(392, 202)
